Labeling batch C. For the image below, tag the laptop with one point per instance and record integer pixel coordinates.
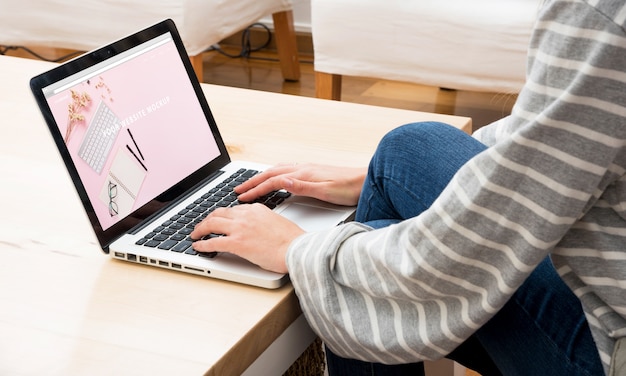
(147, 159)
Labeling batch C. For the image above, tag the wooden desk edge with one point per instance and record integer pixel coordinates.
(257, 340)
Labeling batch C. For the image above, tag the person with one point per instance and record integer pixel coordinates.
(505, 250)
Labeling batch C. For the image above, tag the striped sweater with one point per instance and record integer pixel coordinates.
(552, 182)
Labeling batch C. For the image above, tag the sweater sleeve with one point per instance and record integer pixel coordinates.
(491, 133)
(416, 290)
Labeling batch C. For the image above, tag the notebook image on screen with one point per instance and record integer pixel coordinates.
(147, 159)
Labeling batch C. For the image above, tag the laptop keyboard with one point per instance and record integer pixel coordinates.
(98, 141)
(173, 234)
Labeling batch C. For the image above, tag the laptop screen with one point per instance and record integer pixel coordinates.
(132, 126)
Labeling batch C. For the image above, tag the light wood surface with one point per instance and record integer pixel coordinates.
(67, 309)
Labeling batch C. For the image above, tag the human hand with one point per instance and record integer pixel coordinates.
(252, 231)
(337, 185)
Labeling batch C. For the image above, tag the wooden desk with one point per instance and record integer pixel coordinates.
(67, 309)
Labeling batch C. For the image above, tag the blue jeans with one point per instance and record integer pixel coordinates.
(540, 331)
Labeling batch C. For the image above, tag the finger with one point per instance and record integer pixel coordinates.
(216, 244)
(301, 187)
(271, 172)
(217, 222)
(320, 190)
(272, 184)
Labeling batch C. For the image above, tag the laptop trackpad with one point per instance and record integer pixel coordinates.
(313, 218)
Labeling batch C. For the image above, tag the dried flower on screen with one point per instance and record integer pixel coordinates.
(79, 102)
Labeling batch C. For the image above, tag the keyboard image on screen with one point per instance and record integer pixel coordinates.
(100, 136)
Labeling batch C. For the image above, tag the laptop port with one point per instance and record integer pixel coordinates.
(194, 269)
(177, 266)
(131, 257)
(143, 259)
(164, 263)
(119, 255)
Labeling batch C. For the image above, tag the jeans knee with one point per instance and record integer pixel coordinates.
(427, 138)
(411, 136)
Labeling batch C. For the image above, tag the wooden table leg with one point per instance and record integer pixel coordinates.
(287, 45)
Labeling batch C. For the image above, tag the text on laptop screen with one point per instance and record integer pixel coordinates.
(121, 120)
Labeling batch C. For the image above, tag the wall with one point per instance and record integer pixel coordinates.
(302, 15)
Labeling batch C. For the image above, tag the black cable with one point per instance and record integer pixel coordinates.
(246, 44)
(246, 48)
(5, 49)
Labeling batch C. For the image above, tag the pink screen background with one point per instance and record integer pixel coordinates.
(152, 95)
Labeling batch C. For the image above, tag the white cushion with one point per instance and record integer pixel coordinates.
(88, 24)
(458, 44)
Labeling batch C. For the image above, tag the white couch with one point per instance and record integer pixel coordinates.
(87, 24)
(477, 45)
